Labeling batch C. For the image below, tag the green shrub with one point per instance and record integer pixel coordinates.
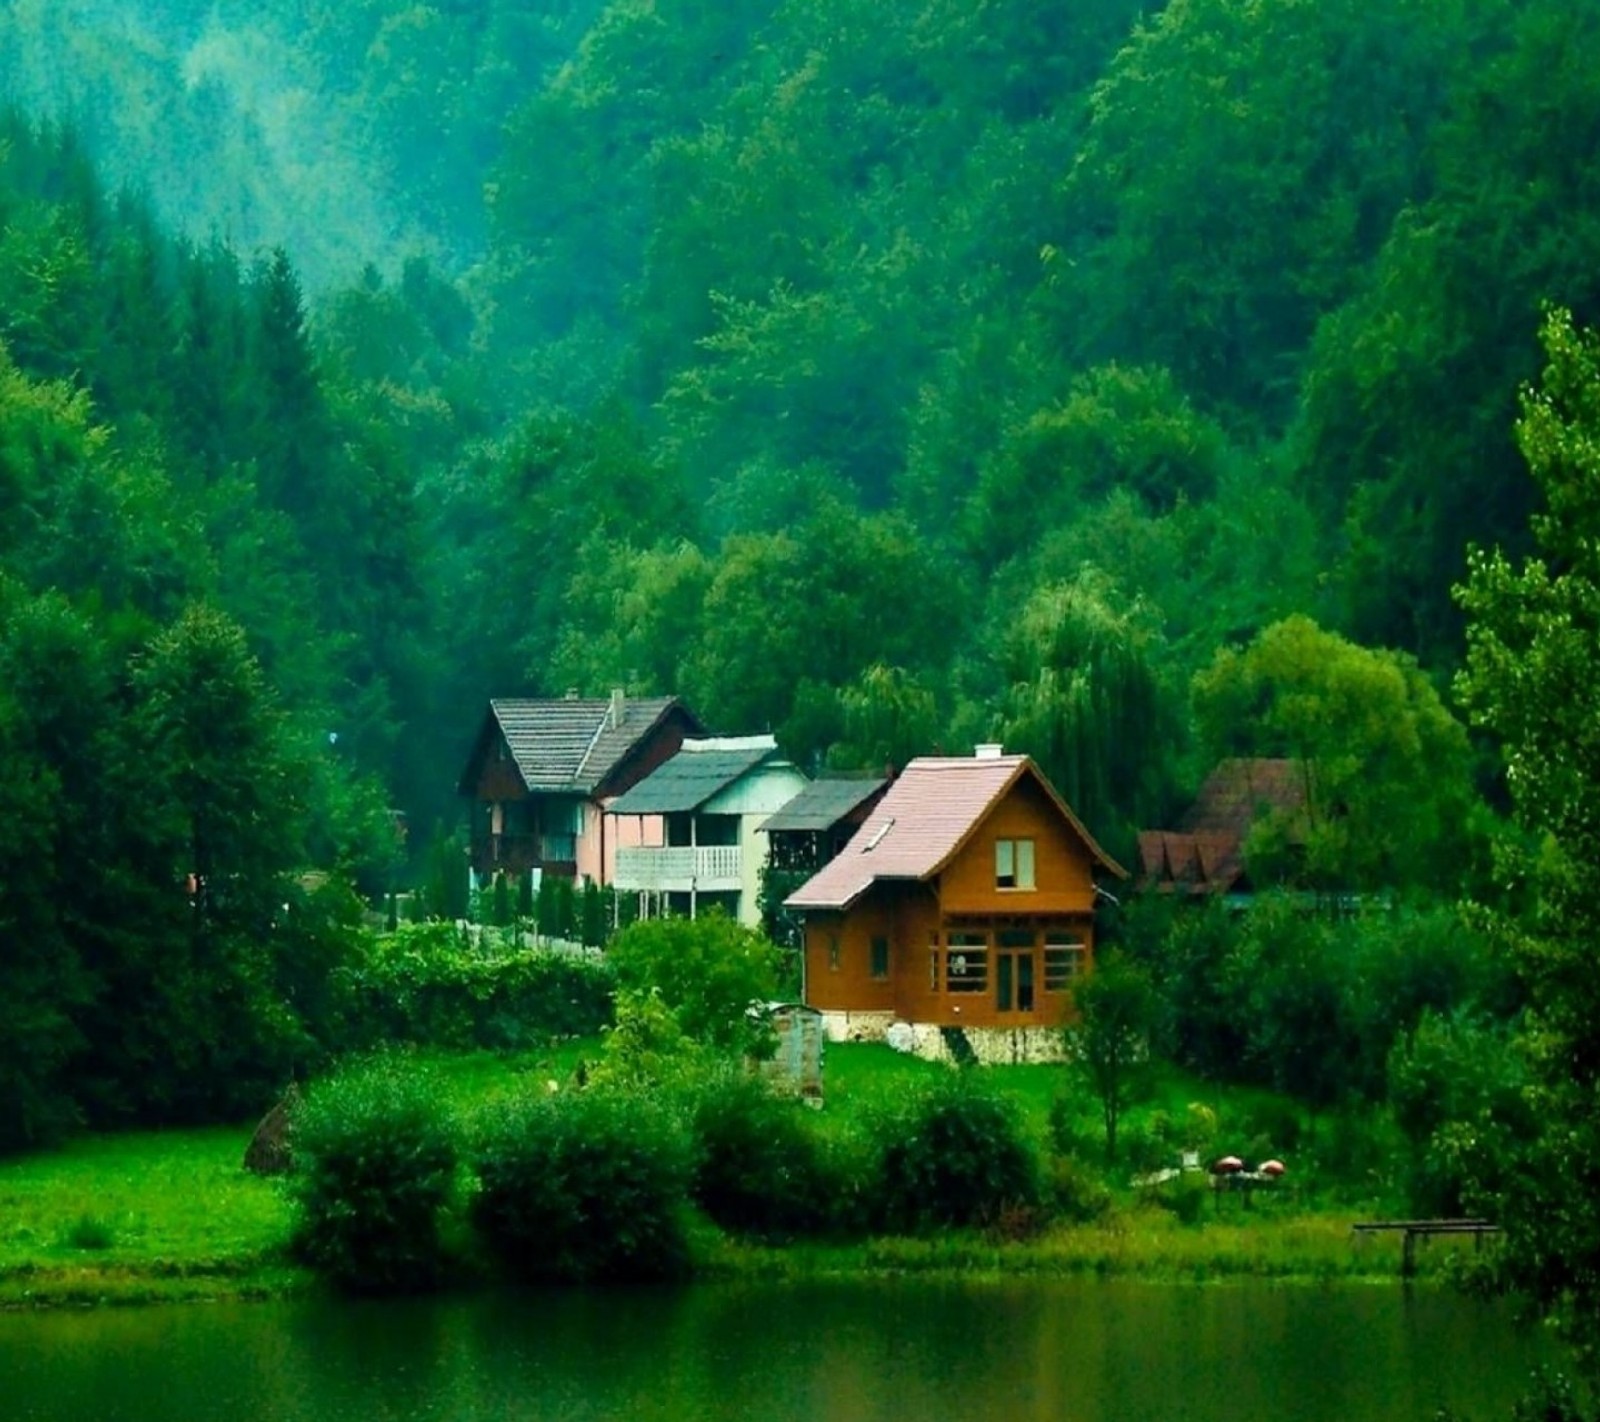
(583, 1186)
(1077, 1194)
(89, 1231)
(1185, 1196)
(953, 1155)
(646, 1049)
(375, 1165)
(1148, 1146)
(707, 970)
(1072, 1133)
(760, 1166)
(431, 984)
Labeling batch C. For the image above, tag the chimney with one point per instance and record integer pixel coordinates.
(619, 703)
(988, 750)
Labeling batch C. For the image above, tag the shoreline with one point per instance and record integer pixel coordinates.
(1133, 1245)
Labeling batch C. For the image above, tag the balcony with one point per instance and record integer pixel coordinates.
(517, 853)
(713, 869)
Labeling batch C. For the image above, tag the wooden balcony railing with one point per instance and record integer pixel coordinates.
(525, 851)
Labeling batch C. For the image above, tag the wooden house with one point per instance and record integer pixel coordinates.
(960, 913)
(696, 844)
(1206, 854)
(541, 774)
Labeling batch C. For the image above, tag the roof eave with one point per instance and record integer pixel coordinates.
(480, 748)
(1025, 766)
(598, 788)
(839, 906)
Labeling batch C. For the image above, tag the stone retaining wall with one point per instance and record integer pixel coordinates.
(993, 1046)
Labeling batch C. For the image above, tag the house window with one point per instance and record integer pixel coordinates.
(1013, 863)
(933, 962)
(880, 957)
(966, 963)
(1063, 961)
(833, 952)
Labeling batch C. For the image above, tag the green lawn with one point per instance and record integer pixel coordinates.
(157, 1213)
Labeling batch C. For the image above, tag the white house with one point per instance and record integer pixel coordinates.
(707, 803)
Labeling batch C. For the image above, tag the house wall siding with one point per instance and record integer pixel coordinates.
(499, 781)
(754, 798)
(1062, 879)
(597, 847)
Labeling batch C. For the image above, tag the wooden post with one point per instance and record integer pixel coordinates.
(1408, 1255)
(694, 866)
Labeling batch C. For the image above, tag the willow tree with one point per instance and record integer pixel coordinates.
(1533, 678)
(1389, 802)
(1083, 696)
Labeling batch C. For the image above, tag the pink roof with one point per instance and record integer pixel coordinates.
(921, 822)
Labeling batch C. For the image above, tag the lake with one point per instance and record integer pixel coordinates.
(1076, 1349)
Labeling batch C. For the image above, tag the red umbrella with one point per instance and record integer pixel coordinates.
(1227, 1165)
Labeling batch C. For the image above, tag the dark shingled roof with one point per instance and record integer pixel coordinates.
(692, 777)
(822, 804)
(572, 744)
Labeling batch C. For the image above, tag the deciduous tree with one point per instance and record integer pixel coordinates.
(1533, 679)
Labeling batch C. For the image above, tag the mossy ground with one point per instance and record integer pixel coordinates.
(171, 1215)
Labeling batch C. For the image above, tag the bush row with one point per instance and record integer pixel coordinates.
(602, 1184)
(439, 985)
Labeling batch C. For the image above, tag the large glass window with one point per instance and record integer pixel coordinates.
(1013, 863)
(966, 963)
(1064, 956)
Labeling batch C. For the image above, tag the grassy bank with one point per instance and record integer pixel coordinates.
(152, 1215)
(1131, 1243)
(171, 1215)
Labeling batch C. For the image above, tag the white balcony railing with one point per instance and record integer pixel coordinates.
(677, 870)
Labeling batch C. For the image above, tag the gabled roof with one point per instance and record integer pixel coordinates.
(1239, 791)
(823, 803)
(574, 744)
(923, 820)
(1208, 861)
(701, 769)
(1206, 853)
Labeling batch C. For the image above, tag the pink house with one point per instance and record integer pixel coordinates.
(541, 774)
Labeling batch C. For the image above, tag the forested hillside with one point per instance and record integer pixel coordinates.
(886, 375)
(891, 376)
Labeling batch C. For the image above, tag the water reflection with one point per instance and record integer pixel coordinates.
(1023, 1351)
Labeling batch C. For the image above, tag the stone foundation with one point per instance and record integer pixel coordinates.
(992, 1046)
(856, 1026)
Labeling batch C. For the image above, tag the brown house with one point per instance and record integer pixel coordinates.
(542, 773)
(1206, 854)
(965, 901)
